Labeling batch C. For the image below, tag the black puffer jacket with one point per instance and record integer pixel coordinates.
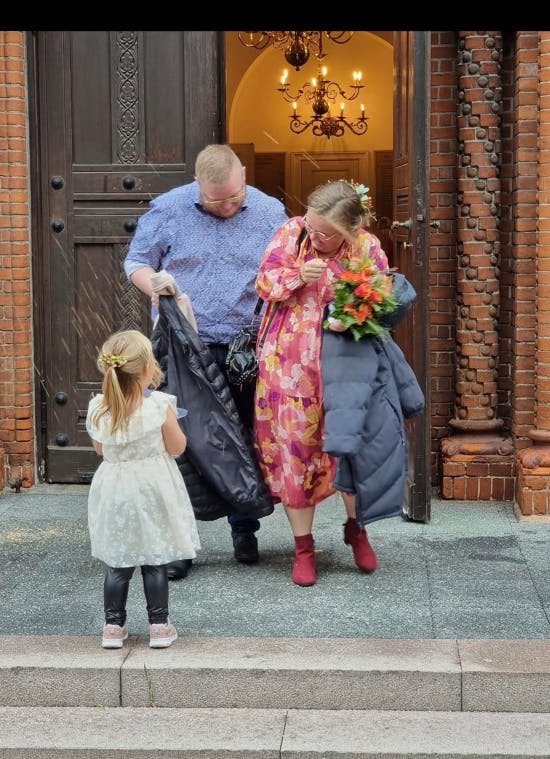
(219, 465)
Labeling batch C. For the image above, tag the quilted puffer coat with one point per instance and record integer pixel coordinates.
(219, 466)
(369, 389)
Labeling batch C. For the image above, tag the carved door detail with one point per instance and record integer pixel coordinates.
(113, 127)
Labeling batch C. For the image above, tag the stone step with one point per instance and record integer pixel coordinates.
(279, 673)
(148, 733)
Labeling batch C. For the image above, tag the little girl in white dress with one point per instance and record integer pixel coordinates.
(139, 512)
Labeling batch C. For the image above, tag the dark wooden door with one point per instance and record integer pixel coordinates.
(410, 182)
(118, 117)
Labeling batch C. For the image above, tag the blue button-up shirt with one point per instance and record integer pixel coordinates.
(215, 261)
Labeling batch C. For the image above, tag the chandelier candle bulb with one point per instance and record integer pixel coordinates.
(322, 95)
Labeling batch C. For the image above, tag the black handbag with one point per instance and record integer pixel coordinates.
(241, 364)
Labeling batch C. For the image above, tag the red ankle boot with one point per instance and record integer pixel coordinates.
(304, 571)
(356, 537)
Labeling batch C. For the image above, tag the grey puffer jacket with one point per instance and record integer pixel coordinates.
(219, 465)
(369, 389)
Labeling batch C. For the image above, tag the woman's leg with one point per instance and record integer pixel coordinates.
(304, 570)
(301, 520)
(115, 594)
(349, 503)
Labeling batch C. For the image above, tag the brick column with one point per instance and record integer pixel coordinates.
(478, 459)
(533, 488)
(16, 364)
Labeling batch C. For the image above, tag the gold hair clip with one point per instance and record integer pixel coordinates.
(110, 359)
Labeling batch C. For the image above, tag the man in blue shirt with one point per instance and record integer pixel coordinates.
(210, 236)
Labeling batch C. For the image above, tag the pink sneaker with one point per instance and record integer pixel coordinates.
(114, 636)
(162, 635)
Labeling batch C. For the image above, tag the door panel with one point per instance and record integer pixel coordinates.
(410, 254)
(117, 123)
(306, 171)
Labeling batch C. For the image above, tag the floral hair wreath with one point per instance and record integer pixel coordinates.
(110, 359)
(364, 197)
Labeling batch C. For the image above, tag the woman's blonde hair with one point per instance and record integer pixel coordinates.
(123, 359)
(340, 205)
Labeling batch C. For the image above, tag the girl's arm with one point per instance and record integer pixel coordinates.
(175, 440)
(98, 448)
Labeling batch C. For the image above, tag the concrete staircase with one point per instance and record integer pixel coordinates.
(274, 698)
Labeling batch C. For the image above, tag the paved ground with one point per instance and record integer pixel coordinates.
(473, 572)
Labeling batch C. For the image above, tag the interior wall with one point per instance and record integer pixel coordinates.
(258, 114)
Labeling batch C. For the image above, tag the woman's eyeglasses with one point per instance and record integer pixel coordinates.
(321, 235)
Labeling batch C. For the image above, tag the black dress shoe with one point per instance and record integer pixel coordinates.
(245, 547)
(177, 570)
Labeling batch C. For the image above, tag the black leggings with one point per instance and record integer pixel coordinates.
(115, 593)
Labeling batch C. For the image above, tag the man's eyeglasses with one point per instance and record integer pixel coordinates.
(321, 235)
(232, 200)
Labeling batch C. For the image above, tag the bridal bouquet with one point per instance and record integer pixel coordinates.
(363, 296)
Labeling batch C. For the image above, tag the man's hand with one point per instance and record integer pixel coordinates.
(162, 283)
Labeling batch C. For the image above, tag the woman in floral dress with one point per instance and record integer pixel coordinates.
(296, 274)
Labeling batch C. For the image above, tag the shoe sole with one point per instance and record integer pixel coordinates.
(113, 643)
(162, 642)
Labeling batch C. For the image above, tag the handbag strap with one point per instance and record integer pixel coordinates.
(258, 307)
(268, 325)
(259, 304)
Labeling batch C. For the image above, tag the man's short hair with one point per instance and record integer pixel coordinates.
(215, 163)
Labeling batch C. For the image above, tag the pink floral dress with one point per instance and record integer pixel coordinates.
(288, 426)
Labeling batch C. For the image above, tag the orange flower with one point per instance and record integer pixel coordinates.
(362, 295)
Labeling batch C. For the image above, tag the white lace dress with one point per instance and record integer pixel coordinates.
(139, 510)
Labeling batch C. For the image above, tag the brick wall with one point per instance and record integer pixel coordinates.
(16, 375)
(523, 320)
(442, 249)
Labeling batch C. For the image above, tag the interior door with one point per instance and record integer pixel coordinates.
(118, 117)
(411, 71)
(306, 171)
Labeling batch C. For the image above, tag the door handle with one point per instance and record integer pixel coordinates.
(402, 224)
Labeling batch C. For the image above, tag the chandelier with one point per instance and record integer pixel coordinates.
(321, 92)
(297, 45)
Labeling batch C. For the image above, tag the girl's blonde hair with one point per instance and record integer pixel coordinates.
(340, 205)
(123, 359)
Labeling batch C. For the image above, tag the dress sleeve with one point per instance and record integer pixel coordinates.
(149, 243)
(163, 401)
(92, 430)
(279, 273)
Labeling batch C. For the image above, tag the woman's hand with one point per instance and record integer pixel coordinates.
(335, 325)
(312, 270)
